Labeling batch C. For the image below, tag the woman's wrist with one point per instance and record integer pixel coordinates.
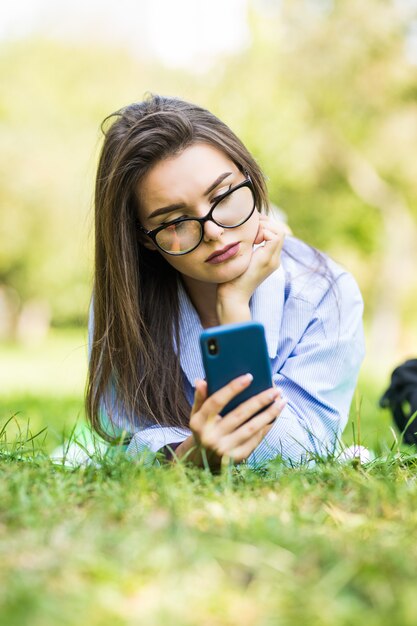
(193, 453)
(186, 447)
(170, 450)
(231, 311)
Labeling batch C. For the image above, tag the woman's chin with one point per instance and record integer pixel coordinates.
(219, 273)
(230, 270)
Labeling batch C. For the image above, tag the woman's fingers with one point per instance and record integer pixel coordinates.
(266, 223)
(258, 423)
(282, 226)
(268, 256)
(238, 433)
(200, 395)
(273, 234)
(205, 413)
(245, 410)
(240, 452)
(218, 400)
(254, 427)
(273, 244)
(259, 236)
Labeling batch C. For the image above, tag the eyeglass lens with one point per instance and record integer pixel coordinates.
(230, 212)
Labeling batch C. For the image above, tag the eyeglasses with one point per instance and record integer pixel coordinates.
(230, 210)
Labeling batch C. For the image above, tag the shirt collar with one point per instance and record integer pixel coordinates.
(266, 306)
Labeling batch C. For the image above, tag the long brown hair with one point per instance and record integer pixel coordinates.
(135, 303)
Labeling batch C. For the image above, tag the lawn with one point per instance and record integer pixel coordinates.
(123, 544)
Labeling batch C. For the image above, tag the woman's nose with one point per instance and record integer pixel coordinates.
(212, 231)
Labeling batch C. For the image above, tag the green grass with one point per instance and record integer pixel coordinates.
(123, 544)
(128, 545)
(43, 385)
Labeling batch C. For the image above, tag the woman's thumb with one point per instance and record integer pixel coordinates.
(200, 394)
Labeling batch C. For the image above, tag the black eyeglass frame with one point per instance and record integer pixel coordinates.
(202, 220)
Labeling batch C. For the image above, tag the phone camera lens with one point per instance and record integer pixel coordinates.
(212, 346)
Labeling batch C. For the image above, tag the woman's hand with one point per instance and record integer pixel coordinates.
(233, 297)
(235, 435)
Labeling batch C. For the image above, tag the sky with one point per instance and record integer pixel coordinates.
(180, 33)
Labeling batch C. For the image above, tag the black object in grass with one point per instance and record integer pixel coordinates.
(401, 398)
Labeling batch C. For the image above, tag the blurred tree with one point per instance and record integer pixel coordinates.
(325, 98)
(54, 99)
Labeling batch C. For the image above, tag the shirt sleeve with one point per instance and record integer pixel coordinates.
(318, 379)
(145, 442)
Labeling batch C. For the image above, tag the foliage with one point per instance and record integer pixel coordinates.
(326, 105)
(323, 96)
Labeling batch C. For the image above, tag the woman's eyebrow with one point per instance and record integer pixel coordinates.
(166, 209)
(218, 180)
(181, 205)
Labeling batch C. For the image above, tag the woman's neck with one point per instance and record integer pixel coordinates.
(204, 298)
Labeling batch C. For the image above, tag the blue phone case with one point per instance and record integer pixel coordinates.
(241, 349)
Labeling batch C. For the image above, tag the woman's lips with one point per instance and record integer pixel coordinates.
(223, 255)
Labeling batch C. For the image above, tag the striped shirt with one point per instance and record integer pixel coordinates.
(314, 334)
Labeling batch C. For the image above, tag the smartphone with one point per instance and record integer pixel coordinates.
(232, 350)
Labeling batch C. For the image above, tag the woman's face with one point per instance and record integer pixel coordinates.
(183, 180)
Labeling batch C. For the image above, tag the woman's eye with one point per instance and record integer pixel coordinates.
(177, 227)
(221, 193)
(172, 219)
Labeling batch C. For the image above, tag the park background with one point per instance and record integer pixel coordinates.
(324, 94)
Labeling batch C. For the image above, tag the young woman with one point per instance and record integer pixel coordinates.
(183, 241)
